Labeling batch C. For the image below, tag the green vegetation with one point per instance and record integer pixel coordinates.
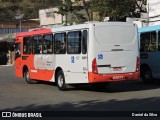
(30, 8)
(117, 10)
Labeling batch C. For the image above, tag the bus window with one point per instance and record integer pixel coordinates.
(159, 40)
(27, 45)
(37, 45)
(48, 44)
(148, 42)
(60, 43)
(17, 50)
(74, 42)
(84, 42)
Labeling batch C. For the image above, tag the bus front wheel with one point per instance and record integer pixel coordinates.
(61, 81)
(146, 75)
(27, 77)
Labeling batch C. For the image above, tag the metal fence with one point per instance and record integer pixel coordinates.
(12, 30)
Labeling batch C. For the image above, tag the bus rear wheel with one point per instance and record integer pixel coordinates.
(27, 77)
(60, 80)
(146, 75)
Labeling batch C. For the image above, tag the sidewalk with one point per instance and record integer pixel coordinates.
(6, 65)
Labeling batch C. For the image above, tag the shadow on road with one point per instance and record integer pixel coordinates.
(146, 104)
(114, 87)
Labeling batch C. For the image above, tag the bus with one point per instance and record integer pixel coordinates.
(95, 52)
(149, 53)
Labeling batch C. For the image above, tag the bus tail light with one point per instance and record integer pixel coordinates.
(94, 66)
(138, 64)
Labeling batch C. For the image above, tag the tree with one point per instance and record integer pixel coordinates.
(118, 10)
(78, 11)
(30, 8)
(140, 6)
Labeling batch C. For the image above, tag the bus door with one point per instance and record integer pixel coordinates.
(44, 59)
(48, 56)
(18, 59)
(77, 56)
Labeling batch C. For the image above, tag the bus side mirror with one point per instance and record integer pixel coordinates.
(17, 55)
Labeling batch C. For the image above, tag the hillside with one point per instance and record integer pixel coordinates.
(30, 8)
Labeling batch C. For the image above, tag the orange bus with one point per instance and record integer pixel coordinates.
(96, 53)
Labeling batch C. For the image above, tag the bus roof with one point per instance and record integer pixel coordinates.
(67, 28)
(148, 29)
(88, 25)
(34, 32)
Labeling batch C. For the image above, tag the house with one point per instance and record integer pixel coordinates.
(154, 12)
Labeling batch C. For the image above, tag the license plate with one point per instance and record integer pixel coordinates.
(118, 77)
(117, 69)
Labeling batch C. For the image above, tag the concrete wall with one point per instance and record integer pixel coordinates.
(8, 37)
(154, 12)
(9, 56)
(50, 17)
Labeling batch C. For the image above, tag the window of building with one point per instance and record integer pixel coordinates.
(49, 14)
(37, 45)
(148, 42)
(48, 44)
(84, 42)
(27, 45)
(74, 42)
(60, 43)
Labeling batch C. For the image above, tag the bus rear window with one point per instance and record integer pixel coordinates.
(115, 34)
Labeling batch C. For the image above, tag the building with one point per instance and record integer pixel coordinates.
(50, 16)
(154, 12)
(152, 17)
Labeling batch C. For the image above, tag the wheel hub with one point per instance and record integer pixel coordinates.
(60, 81)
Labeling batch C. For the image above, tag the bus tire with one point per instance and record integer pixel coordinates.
(146, 75)
(27, 77)
(60, 81)
(100, 86)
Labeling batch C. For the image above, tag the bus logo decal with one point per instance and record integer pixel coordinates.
(100, 56)
(72, 59)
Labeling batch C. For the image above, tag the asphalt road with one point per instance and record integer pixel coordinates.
(17, 95)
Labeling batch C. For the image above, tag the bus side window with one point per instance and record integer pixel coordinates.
(60, 43)
(152, 42)
(74, 42)
(143, 42)
(27, 45)
(47, 44)
(37, 44)
(84, 42)
(148, 42)
(159, 40)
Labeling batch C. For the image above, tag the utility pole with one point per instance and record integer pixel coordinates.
(19, 17)
(148, 14)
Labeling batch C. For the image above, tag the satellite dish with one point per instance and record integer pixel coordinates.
(19, 16)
